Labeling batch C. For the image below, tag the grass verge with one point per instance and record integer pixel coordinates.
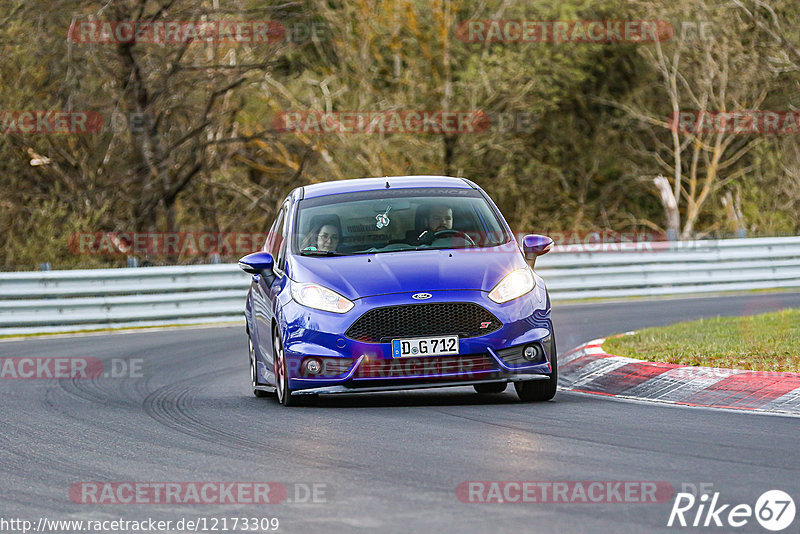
(766, 342)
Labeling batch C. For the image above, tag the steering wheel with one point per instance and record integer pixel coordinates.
(459, 233)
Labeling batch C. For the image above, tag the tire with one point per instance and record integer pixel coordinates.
(539, 390)
(281, 374)
(491, 388)
(253, 374)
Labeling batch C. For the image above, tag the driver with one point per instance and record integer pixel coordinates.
(440, 217)
(324, 236)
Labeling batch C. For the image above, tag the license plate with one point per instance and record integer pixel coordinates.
(425, 346)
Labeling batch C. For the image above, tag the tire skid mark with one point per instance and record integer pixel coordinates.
(107, 391)
(17, 456)
(173, 407)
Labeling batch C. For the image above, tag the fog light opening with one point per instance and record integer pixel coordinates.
(532, 353)
(313, 366)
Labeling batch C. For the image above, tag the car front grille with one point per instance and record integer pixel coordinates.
(465, 319)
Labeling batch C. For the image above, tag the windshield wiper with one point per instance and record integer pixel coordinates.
(321, 253)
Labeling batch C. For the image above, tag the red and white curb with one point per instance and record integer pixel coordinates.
(589, 369)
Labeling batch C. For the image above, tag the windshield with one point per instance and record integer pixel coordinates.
(396, 220)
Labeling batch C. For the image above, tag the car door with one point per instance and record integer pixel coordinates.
(264, 290)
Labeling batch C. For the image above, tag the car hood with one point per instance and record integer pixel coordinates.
(410, 271)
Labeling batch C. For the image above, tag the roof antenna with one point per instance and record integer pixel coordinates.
(387, 183)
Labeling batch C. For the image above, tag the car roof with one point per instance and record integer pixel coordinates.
(373, 184)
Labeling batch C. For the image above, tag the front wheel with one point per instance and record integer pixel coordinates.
(254, 371)
(539, 390)
(281, 375)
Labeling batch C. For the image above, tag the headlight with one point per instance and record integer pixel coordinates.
(320, 298)
(514, 285)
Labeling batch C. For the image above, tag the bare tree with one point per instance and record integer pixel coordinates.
(184, 98)
(707, 72)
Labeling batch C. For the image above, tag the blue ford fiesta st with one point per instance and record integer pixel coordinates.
(381, 284)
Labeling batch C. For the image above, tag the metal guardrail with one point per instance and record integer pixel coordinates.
(57, 301)
(674, 268)
(53, 301)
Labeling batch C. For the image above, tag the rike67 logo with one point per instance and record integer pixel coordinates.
(774, 510)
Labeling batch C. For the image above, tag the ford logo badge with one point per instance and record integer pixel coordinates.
(421, 296)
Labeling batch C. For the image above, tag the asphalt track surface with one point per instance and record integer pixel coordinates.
(391, 461)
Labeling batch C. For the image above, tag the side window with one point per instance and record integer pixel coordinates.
(273, 231)
(280, 239)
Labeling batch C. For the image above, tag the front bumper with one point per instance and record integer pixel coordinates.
(333, 390)
(363, 367)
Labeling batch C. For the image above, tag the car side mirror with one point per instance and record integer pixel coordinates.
(534, 245)
(257, 263)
